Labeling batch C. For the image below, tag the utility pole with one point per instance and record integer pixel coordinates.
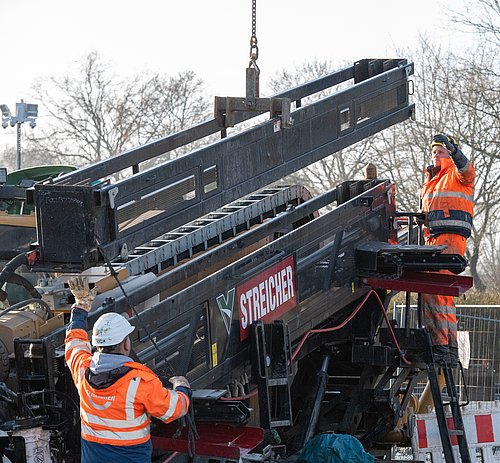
(25, 112)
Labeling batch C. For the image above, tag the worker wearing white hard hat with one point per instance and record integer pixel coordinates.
(110, 329)
(118, 396)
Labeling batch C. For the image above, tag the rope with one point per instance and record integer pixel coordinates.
(188, 419)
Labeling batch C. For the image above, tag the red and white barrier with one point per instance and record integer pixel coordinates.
(482, 430)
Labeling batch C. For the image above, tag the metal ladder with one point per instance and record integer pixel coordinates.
(211, 229)
(451, 430)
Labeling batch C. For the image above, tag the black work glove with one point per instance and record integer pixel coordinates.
(447, 141)
(165, 382)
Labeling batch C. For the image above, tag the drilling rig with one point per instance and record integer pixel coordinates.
(273, 303)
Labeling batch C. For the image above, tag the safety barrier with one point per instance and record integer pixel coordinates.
(482, 429)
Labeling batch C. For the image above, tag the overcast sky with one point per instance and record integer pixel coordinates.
(52, 37)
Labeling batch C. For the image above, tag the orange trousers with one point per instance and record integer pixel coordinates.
(439, 312)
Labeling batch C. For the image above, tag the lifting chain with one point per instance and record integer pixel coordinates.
(254, 49)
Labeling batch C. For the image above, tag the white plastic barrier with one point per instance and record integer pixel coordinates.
(482, 430)
(36, 444)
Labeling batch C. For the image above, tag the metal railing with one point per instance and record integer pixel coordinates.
(479, 337)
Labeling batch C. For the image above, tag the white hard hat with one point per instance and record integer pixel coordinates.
(110, 329)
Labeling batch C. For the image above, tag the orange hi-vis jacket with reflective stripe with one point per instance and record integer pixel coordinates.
(448, 198)
(120, 413)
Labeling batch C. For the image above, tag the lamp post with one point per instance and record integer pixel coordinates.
(25, 112)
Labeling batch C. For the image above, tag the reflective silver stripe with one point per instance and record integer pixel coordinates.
(116, 435)
(441, 325)
(120, 424)
(448, 309)
(130, 398)
(184, 405)
(439, 309)
(73, 354)
(77, 343)
(174, 398)
(81, 374)
(99, 407)
(449, 194)
(183, 402)
(464, 168)
(450, 223)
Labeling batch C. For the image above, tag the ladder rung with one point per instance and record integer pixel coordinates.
(203, 222)
(278, 382)
(33, 378)
(455, 432)
(209, 230)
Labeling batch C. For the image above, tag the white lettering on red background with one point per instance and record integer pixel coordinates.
(267, 296)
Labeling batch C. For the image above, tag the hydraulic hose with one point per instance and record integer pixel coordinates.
(338, 327)
(17, 279)
(7, 255)
(12, 266)
(348, 319)
(22, 304)
(8, 275)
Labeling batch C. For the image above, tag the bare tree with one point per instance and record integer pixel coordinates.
(173, 104)
(399, 153)
(31, 156)
(491, 260)
(330, 171)
(481, 16)
(96, 114)
(8, 158)
(286, 79)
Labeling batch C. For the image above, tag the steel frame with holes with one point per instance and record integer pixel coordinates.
(136, 209)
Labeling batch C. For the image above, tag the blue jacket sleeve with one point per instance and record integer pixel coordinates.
(78, 319)
(185, 390)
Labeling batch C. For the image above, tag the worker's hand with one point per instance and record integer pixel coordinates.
(84, 296)
(447, 141)
(179, 381)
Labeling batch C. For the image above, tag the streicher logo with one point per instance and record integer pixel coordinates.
(226, 305)
(267, 296)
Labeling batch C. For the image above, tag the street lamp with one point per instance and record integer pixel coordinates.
(25, 112)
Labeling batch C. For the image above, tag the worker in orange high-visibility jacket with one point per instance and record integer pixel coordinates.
(448, 204)
(118, 396)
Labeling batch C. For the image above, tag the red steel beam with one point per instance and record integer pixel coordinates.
(445, 284)
(215, 440)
